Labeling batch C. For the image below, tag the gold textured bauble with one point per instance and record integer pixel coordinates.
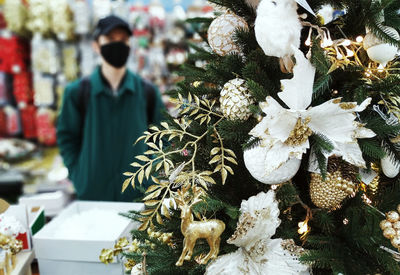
(221, 33)
(398, 208)
(392, 216)
(338, 185)
(385, 224)
(389, 233)
(395, 242)
(235, 100)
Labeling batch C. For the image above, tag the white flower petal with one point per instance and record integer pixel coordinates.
(362, 132)
(297, 92)
(280, 128)
(363, 105)
(278, 123)
(332, 121)
(350, 152)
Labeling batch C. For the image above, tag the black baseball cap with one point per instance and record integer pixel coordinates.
(109, 23)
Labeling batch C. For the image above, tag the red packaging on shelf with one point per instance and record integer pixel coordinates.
(3, 124)
(14, 54)
(28, 120)
(13, 126)
(22, 88)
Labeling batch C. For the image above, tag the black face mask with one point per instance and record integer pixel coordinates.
(115, 53)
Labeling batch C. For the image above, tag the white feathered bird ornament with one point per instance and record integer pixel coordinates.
(277, 29)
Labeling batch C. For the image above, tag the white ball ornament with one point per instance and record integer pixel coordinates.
(389, 168)
(257, 164)
(235, 100)
(378, 50)
(221, 33)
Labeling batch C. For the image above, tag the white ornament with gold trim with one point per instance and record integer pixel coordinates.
(235, 100)
(221, 33)
(378, 50)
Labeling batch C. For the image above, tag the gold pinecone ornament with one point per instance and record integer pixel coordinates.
(340, 183)
(235, 100)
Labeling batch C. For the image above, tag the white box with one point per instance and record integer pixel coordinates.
(80, 257)
(53, 202)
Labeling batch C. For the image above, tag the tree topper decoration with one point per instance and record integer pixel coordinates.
(284, 133)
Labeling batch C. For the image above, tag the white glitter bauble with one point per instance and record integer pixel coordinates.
(378, 50)
(221, 33)
(235, 100)
(256, 162)
(389, 168)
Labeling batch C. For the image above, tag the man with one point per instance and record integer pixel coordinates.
(103, 115)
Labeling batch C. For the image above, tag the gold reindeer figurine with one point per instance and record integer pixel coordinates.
(210, 230)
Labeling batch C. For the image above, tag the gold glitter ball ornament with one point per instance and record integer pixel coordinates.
(398, 208)
(235, 100)
(221, 33)
(338, 185)
(392, 216)
(389, 233)
(385, 224)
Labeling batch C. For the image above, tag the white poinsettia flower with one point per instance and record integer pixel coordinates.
(285, 132)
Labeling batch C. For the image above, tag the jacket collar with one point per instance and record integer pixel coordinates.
(130, 83)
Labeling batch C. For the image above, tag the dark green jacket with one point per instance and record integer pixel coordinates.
(98, 157)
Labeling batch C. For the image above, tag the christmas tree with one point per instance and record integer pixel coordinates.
(285, 155)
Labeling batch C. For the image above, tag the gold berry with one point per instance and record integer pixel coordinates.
(385, 224)
(396, 225)
(395, 242)
(392, 216)
(389, 233)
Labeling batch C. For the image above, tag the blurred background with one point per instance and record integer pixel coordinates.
(45, 44)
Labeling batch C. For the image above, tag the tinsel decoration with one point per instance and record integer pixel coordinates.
(221, 33)
(340, 183)
(235, 100)
(391, 227)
